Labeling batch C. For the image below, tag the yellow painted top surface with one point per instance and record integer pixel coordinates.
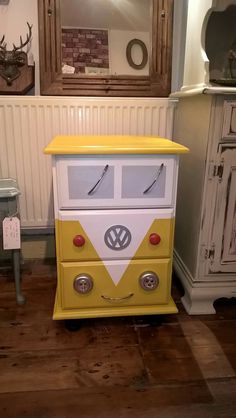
(113, 144)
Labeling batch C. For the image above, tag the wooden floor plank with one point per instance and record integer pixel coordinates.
(74, 368)
(163, 367)
(54, 335)
(100, 402)
(164, 336)
(223, 390)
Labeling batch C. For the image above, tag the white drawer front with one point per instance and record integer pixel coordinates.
(116, 182)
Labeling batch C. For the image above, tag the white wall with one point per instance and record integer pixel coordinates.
(13, 18)
(118, 41)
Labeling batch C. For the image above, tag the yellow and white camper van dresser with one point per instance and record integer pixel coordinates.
(114, 199)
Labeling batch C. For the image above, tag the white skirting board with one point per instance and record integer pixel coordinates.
(29, 123)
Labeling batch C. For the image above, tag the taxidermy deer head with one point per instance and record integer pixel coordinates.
(10, 61)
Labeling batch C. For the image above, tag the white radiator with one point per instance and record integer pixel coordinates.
(27, 124)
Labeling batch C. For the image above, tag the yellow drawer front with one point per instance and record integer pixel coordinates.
(118, 287)
(94, 247)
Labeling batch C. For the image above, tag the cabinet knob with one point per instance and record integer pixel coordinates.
(79, 240)
(83, 283)
(154, 239)
(149, 281)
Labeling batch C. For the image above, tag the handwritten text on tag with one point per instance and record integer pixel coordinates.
(11, 233)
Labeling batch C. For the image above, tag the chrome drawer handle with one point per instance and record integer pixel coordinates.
(117, 299)
(155, 180)
(91, 191)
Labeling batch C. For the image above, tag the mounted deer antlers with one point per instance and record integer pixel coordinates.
(2, 39)
(28, 38)
(11, 60)
(3, 46)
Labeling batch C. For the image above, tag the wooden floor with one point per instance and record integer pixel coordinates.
(124, 367)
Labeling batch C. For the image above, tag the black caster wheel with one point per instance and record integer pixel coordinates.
(72, 325)
(150, 320)
(156, 320)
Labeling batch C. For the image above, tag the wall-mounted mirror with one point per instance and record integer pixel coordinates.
(105, 47)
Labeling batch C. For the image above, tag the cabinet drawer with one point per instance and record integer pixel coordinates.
(134, 287)
(85, 182)
(112, 234)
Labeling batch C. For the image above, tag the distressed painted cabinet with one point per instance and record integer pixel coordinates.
(205, 241)
(205, 120)
(114, 200)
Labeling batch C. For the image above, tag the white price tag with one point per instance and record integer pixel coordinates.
(11, 233)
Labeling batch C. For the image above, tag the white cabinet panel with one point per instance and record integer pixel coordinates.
(229, 243)
(224, 227)
(229, 122)
(85, 182)
(94, 182)
(143, 182)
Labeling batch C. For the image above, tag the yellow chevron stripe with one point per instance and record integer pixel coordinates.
(165, 228)
(66, 250)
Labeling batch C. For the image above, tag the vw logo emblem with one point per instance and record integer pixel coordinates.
(117, 237)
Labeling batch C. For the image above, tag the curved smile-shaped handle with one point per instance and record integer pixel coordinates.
(155, 180)
(109, 299)
(91, 191)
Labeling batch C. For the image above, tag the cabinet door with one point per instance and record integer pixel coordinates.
(224, 228)
(229, 243)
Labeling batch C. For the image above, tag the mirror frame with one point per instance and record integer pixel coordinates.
(53, 82)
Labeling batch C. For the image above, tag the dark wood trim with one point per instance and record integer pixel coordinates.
(52, 82)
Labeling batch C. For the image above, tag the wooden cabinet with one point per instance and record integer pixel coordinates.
(114, 213)
(205, 244)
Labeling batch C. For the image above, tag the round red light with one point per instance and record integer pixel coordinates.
(78, 241)
(154, 239)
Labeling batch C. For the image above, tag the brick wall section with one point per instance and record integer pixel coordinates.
(85, 48)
